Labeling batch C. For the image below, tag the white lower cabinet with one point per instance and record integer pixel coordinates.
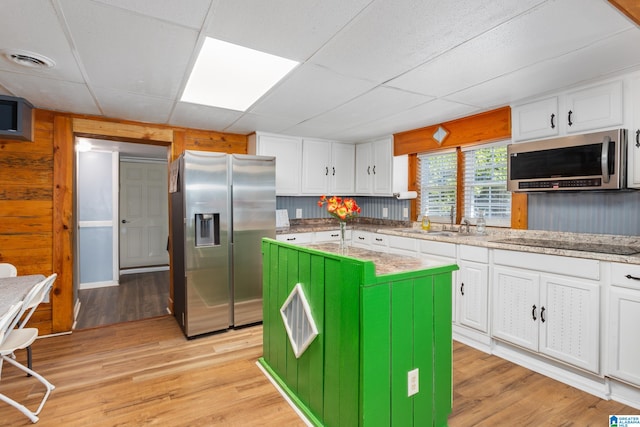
(296, 238)
(553, 315)
(472, 288)
(471, 295)
(623, 346)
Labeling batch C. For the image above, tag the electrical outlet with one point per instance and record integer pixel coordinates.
(413, 382)
(385, 212)
(405, 212)
(298, 213)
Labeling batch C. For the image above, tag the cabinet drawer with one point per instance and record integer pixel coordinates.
(296, 238)
(331, 236)
(361, 237)
(619, 273)
(474, 253)
(568, 266)
(379, 239)
(405, 243)
(431, 247)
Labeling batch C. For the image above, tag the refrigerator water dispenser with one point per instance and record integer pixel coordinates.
(207, 229)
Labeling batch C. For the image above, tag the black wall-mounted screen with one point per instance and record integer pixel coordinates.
(8, 115)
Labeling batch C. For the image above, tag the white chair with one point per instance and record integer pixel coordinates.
(17, 339)
(31, 302)
(8, 270)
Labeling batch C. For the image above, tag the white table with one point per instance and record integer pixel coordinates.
(14, 289)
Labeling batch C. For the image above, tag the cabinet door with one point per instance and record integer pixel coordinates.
(364, 177)
(382, 167)
(594, 108)
(341, 173)
(515, 307)
(537, 119)
(471, 295)
(288, 154)
(569, 321)
(316, 159)
(623, 344)
(633, 171)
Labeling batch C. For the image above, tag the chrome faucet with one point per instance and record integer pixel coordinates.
(451, 216)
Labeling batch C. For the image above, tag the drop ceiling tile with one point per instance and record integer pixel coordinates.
(250, 122)
(192, 16)
(292, 29)
(373, 105)
(518, 43)
(391, 37)
(614, 57)
(131, 106)
(433, 112)
(202, 117)
(50, 94)
(139, 54)
(33, 26)
(309, 91)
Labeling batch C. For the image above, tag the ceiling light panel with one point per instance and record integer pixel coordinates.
(229, 76)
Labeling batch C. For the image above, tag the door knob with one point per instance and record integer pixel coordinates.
(124, 221)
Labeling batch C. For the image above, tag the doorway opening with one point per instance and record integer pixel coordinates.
(121, 210)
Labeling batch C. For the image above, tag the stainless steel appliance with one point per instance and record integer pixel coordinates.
(595, 161)
(222, 206)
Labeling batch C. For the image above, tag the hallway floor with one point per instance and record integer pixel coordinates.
(139, 296)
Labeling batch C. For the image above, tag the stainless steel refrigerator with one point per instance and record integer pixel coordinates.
(222, 205)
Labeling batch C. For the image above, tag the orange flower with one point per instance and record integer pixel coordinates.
(340, 208)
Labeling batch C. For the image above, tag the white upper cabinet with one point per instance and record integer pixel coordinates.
(633, 138)
(288, 153)
(537, 119)
(374, 167)
(594, 108)
(327, 167)
(578, 111)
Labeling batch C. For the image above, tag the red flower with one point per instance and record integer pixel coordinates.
(340, 208)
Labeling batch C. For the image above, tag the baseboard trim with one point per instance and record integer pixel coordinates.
(144, 269)
(93, 285)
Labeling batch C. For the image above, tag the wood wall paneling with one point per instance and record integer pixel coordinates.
(36, 194)
(485, 127)
(494, 125)
(631, 8)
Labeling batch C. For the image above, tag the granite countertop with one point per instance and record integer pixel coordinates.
(614, 248)
(385, 263)
(623, 249)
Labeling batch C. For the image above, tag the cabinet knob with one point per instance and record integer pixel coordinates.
(533, 312)
(542, 314)
(368, 170)
(638, 138)
(553, 125)
(326, 170)
(334, 171)
(628, 276)
(374, 169)
(462, 288)
(569, 118)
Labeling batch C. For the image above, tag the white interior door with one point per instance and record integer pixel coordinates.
(144, 219)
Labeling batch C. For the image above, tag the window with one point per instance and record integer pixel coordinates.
(485, 184)
(437, 177)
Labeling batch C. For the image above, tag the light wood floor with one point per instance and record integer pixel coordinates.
(139, 296)
(147, 373)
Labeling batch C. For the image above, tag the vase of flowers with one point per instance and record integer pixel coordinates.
(343, 209)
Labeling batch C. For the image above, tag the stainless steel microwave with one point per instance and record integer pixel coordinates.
(595, 161)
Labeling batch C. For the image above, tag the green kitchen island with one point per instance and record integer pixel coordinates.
(383, 351)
